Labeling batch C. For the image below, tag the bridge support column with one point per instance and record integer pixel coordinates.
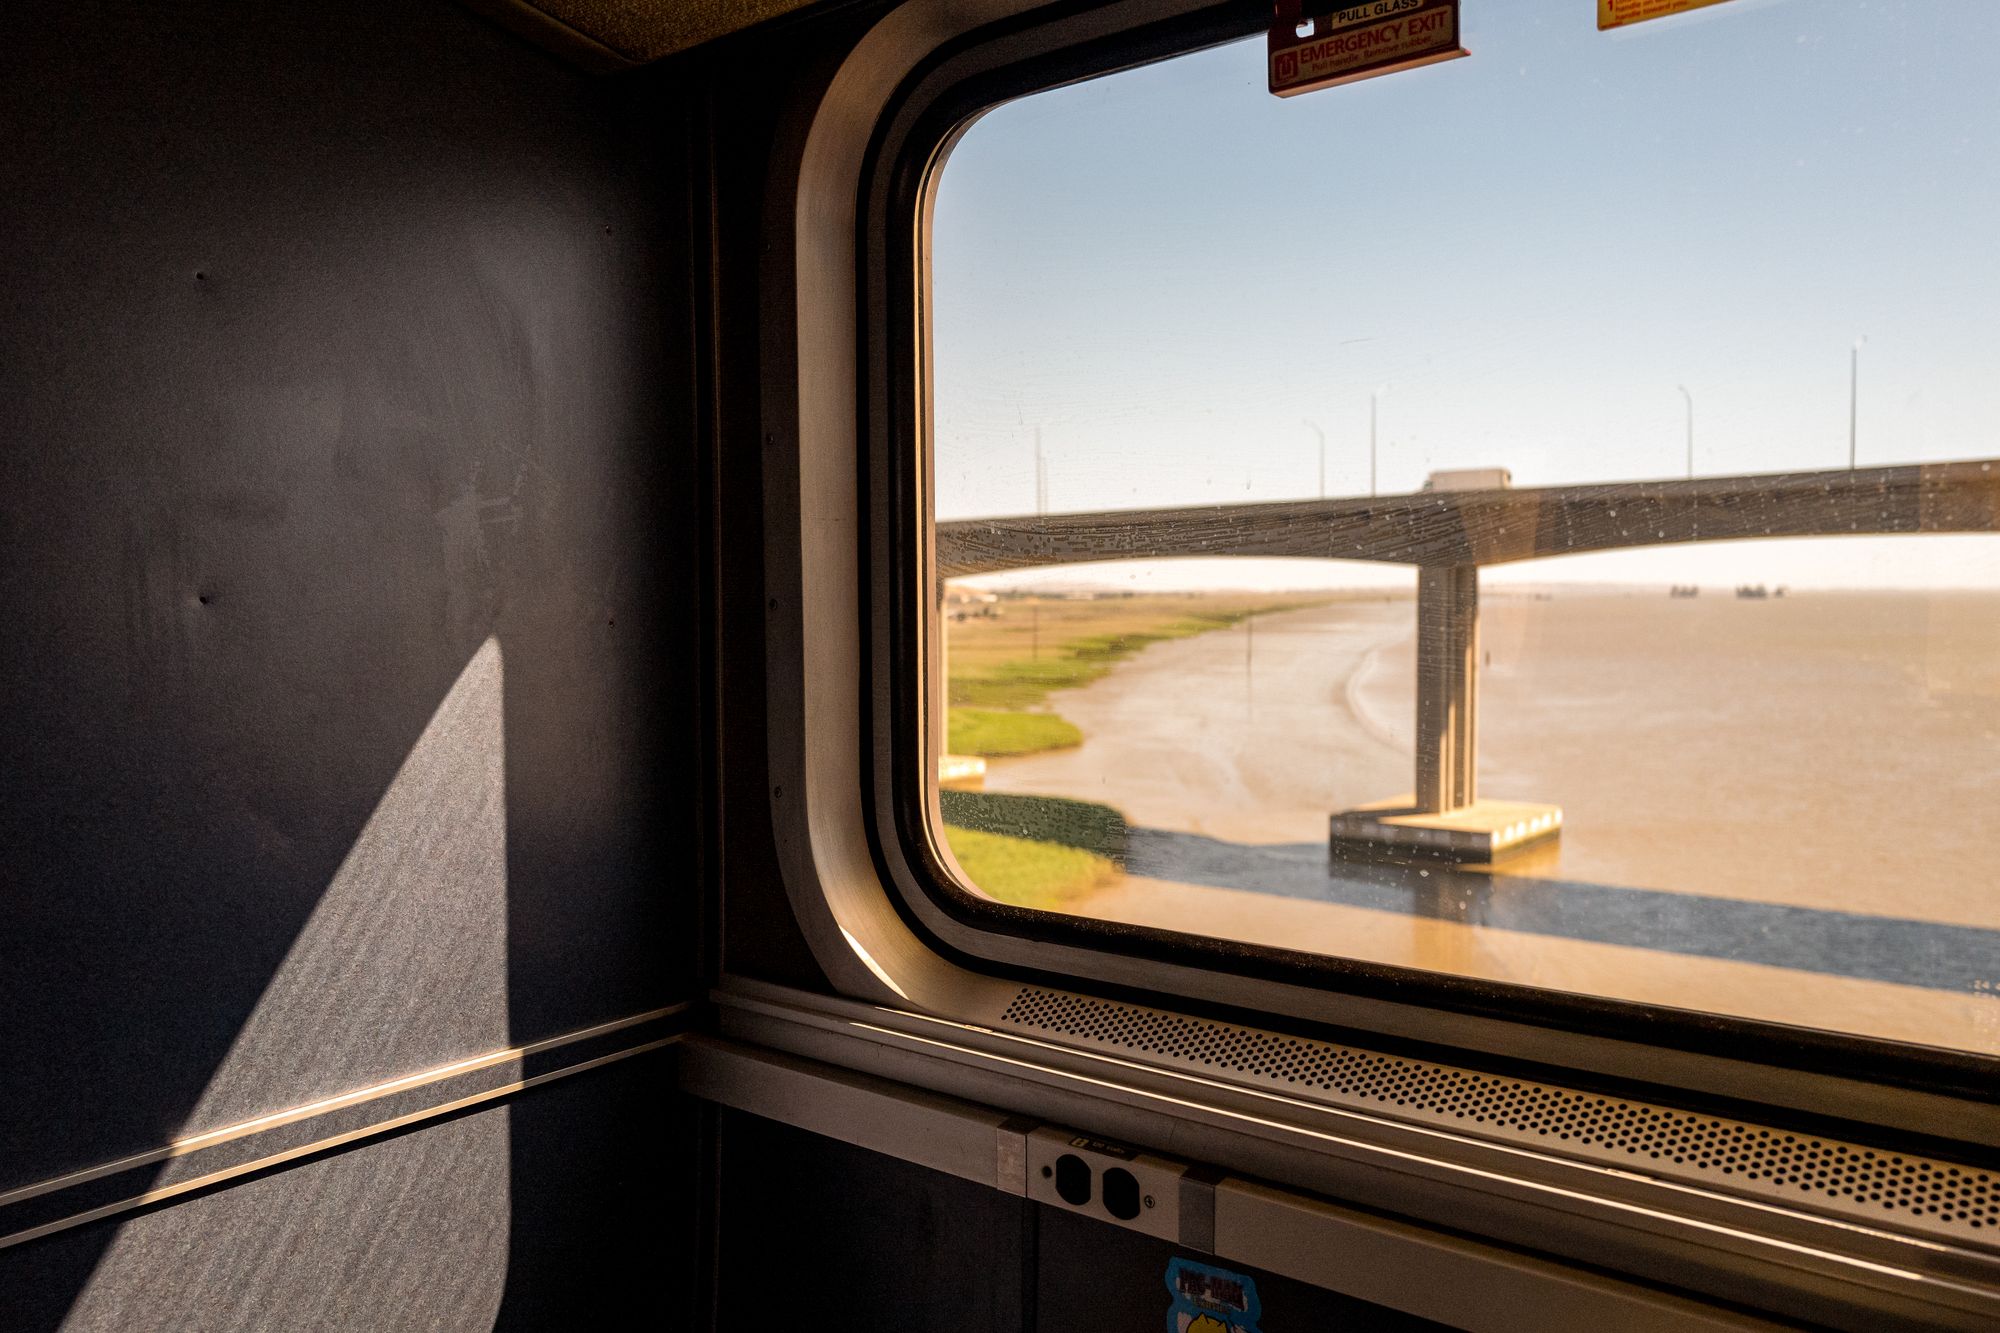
(1447, 687)
(1444, 816)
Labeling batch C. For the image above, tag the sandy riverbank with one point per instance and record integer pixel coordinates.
(1246, 733)
(1804, 782)
(1833, 751)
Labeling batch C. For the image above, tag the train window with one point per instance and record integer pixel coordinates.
(1530, 518)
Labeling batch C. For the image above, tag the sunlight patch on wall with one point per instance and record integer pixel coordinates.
(402, 966)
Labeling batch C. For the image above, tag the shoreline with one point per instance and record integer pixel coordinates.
(1675, 732)
(1729, 770)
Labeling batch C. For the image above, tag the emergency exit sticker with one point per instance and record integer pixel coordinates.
(1342, 43)
(1618, 13)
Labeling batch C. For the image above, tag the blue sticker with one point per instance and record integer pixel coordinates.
(1210, 1300)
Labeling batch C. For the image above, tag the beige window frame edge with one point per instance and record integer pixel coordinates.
(821, 654)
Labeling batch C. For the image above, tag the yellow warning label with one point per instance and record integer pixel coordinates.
(1618, 13)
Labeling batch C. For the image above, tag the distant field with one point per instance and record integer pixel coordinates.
(999, 667)
(995, 734)
(1044, 852)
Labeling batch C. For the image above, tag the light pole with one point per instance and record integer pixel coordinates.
(1041, 510)
(1374, 404)
(1313, 426)
(1250, 664)
(1690, 427)
(1853, 398)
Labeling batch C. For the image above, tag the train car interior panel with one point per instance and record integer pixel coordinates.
(976, 665)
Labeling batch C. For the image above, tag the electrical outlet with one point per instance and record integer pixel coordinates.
(1106, 1180)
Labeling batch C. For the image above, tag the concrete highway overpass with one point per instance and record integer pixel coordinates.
(1449, 536)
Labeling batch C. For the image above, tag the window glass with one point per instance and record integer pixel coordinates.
(1531, 517)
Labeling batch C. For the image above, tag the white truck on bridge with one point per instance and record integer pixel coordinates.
(1471, 479)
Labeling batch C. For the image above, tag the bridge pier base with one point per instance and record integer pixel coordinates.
(1484, 831)
(1444, 815)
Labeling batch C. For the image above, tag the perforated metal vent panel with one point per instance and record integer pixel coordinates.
(1915, 1192)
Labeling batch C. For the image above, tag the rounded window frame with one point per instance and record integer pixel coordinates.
(854, 685)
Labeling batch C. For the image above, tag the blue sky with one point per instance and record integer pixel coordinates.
(1170, 272)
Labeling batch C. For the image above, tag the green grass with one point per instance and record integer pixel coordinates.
(985, 732)
(1025, 873)
(1023, 683)
(1033, 851)
(989, 689)
(1086, 825)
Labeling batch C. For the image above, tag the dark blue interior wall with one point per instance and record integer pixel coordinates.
(349, 519)
(560, 1209)
(815, 1234)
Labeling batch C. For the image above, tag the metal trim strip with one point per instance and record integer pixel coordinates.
(1749, 1251)
(1907, 1192)
(1241, 1220)
(941, 1133)
(208, 1158)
